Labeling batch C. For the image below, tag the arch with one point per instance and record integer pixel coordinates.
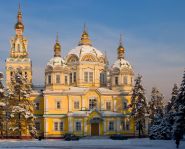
(88, 58)
(72, 58)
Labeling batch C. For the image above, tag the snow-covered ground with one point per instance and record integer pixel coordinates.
(91, 144)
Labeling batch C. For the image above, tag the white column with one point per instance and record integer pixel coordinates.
(45, 104)
(70, 104)
(45, 127)
(118, 122)
(104, 126)
(115, 109)
(70, 124)
(85, 126)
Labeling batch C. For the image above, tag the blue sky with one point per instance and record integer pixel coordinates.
(153, 33)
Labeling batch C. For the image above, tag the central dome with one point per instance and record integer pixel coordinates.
(85, 53)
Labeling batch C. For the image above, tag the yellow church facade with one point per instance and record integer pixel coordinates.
(82, 93)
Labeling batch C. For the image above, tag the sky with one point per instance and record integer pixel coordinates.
(153, 34)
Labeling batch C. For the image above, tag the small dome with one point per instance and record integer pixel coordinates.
(57, 46)
(19, 25)
(83, 50)
(56, 61)
(121, 64)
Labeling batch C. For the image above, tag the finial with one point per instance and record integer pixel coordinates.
(57, 37)
(19, 9)
(121, 40)
(85, 28)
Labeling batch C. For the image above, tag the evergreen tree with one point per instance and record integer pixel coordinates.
(21, 107)
(156, 103)
(139, 105)
(179, 105)
(2, 106)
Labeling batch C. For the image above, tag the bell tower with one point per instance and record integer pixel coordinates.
(18, 56)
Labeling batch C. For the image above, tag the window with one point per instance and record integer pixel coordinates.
(37, 106)
(131, 80)
(49, 79)
(111, 126)
(108, 105)
(56, 126)
(71, 77)
(37, 125)
(61, 126)
(88, 77)
(124, 105)
(57, 79)
(26, 75)
(74, 77)
(58, 105)
(116, 80)
(76, 104)
(102, 78)
(126, 124)
(125, 80)
(66, 81)
(92, 104)
(78, 126)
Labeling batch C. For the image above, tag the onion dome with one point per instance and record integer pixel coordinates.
(19, 24)
(121, 49)
(57, 48)
(85, 38)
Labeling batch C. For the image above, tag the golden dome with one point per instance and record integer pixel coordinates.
(57, 48)
(121, 49)
(19, 25)
(85, 38)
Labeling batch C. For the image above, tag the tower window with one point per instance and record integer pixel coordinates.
(66, 80)
(71, 77)
(18, 48)
(49, 79)
(92, 104)
(74, 77)
(102, 78)
(58, 79)
(116, 80)
(26, 75)
(108, 105)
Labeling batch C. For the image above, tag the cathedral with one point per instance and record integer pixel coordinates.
(82, 95)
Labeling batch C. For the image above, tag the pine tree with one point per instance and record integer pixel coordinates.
(156, 103)
(179, 105)
(21, 107)
(2, 106)
(139, 105)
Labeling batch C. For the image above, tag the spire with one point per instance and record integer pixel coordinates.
(19, 25)
(121, 49)
(85, 37)
(57, 47)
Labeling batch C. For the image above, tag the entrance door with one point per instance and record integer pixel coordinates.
(95, 129)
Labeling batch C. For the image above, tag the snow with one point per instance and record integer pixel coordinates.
(56, 61)
(79, 51)
(121, 63)
(92, 144)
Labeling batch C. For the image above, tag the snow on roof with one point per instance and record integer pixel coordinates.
(107, 91)
(79, 51)
(56, 61)
(121, 63)
(110, 113)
